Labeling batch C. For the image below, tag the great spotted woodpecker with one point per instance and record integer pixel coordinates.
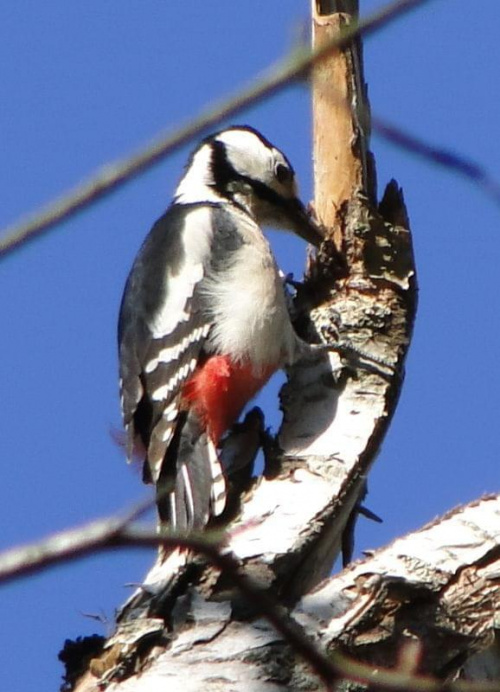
(203, 320)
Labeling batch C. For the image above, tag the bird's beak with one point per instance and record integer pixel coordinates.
(302, 223)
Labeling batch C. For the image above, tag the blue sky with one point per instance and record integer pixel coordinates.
(86, 83)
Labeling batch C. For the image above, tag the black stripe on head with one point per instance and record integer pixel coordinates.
(223, 172)
(267, 194)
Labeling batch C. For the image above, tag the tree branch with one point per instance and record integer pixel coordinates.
(366, 613)
(452, 161)
(439, 586)
(111, 176)
(396, 582)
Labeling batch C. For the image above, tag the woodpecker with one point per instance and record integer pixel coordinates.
(203, 320)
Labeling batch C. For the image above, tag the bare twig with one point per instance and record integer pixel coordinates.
(58, 548)
(111, 176)
(401, 680)
(67, 545)
(110, 533)
(442, 157)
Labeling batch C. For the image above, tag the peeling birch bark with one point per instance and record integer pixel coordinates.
(439, 586)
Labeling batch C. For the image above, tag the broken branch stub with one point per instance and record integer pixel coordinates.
(336, 415)
(359, 293)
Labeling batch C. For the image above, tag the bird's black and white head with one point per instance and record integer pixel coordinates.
(240, 166)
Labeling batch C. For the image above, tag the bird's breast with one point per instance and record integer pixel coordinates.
(248, 311)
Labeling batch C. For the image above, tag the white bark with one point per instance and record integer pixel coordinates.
(439, 585)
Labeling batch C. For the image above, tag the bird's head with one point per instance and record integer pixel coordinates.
(240, 165)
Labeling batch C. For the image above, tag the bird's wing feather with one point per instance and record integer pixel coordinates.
(165, 324)
(162, 328)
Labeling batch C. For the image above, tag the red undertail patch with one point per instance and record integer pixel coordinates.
(219, 389)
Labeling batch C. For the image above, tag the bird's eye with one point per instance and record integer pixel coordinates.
(283, 173)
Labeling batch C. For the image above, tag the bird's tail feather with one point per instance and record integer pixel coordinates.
(191, 488)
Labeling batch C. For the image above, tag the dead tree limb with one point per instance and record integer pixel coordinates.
(361, 291)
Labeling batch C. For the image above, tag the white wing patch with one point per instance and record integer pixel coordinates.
(196, 238)
(173, 508)
(160, 438)
(162, 393)
(171, 353)
(169, 415)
